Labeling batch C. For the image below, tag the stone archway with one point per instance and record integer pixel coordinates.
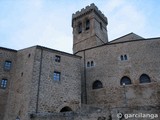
(66, 109)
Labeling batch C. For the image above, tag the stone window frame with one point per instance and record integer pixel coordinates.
(7, 65)
(144, 78)
(56, 76)
(4, 83)
(125, 80)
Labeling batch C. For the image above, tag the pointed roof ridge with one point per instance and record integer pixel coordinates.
(128, 37)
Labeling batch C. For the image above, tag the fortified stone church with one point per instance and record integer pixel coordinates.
(101, 80)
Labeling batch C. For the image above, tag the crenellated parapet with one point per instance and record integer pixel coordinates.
(88, 9)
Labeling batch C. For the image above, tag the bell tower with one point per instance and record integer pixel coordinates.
(89, 28)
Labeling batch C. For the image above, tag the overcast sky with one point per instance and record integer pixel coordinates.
(25, 23)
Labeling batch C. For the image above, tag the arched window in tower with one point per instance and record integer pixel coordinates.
(66, 109)
(125, 81)
(87, 24)
(88, 64)
(97, 85)
(122, 57)
(79, 27)
(125, 57)
(144, 79)
(92, 63)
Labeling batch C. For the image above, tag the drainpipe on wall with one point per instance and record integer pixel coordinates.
(39, 80)
(85, 89)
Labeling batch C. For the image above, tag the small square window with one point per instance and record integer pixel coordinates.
(3, 83)
(7, 65)
(56, 76)
(57, 58)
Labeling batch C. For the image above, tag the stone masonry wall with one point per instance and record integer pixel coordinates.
(54, 95)
(103, 113)
(10, 55)
(18, 104)
(109, 69)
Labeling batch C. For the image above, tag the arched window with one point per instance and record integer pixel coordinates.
(121, 57)
(87, 24)
(97, 84)
(88, 64)
(125, 80)
(79, 27)
(125, 57)
(66, 109)
(144, 79)
(92, 63)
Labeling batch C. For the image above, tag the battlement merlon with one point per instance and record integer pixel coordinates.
(89, 9)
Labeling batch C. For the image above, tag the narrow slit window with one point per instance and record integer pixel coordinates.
(121, 57)
(87, 24)
(125, 57)
(92, 63)
(88, 64)
(79, 27)
(101, 26)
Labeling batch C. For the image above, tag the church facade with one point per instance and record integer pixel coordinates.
(101, 80)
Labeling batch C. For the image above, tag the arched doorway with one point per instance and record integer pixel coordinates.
(66, 109)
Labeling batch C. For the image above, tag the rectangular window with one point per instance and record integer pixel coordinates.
(57, 58)
(7, 65)
(56, 76)
(79, 28)
(3, 83)
(87, 24)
